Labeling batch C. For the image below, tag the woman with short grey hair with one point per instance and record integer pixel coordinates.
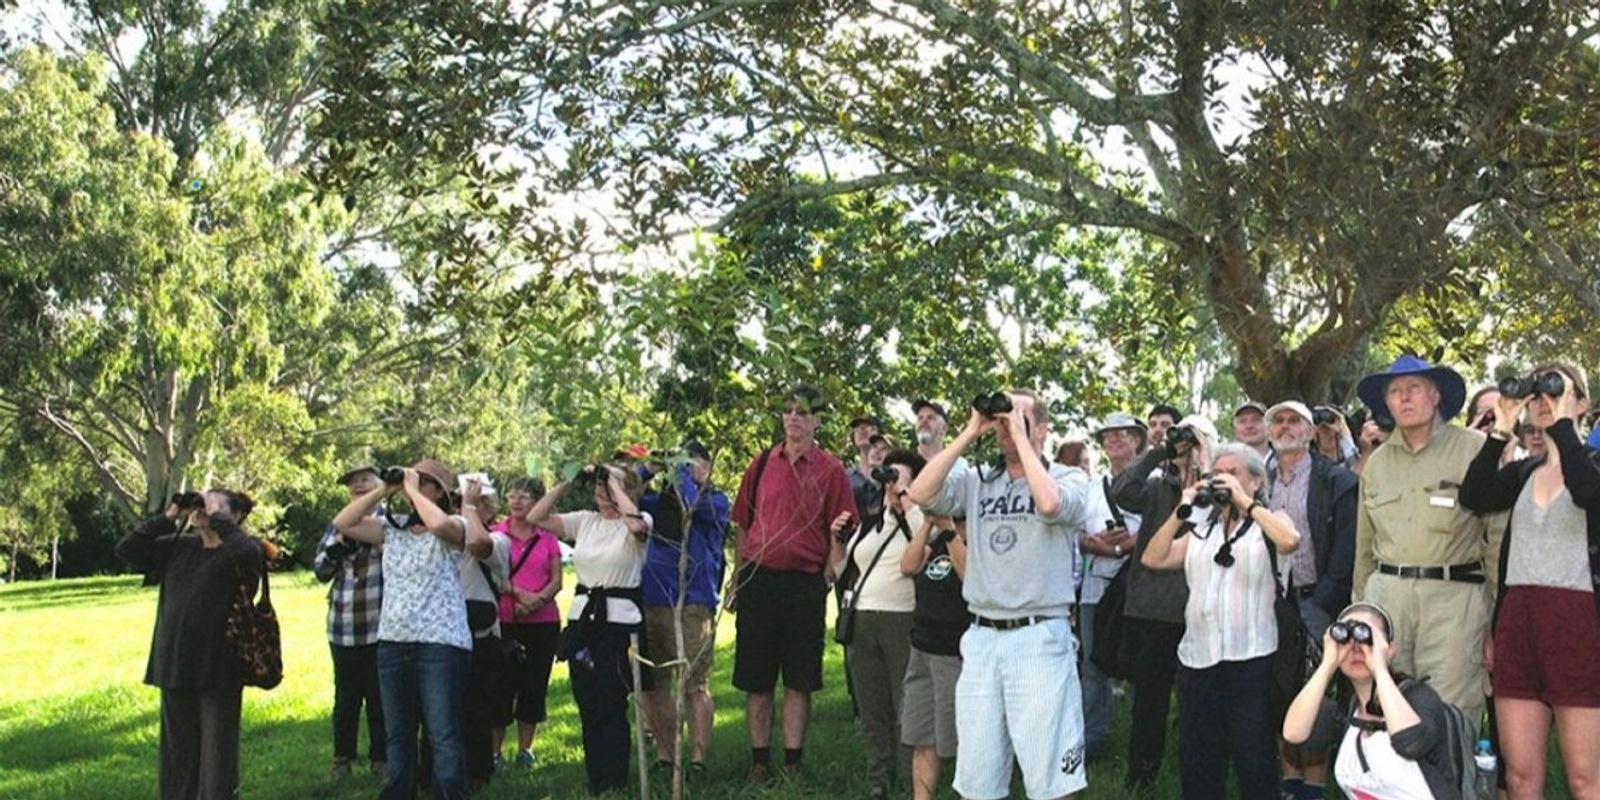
(1231, 634)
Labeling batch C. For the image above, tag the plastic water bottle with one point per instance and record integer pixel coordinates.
(1484, 785)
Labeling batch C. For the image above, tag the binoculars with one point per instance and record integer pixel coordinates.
(992, 405)
(1549, 384)
(1342, 632)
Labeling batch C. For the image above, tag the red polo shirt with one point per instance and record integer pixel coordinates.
(800, 498)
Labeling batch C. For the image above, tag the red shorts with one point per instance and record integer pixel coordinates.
(1547, 647)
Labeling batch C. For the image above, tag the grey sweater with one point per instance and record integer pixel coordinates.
(1019, 563)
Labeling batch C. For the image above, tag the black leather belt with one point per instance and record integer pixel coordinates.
(1007, 624)
(1460, 573)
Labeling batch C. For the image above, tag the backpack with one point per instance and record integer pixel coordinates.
(1461, 740)
(1457, 776)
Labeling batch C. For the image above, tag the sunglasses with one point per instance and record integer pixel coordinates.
(1343, 632)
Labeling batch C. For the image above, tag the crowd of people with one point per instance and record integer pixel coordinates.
(991, 610)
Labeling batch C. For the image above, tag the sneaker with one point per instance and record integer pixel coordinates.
(879, 792)
(499, 763)
(697, 768)
(662, 765)
(760, 775)
(524, 760)
(340, 769)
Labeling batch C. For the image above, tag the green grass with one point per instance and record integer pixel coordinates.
(77, 722)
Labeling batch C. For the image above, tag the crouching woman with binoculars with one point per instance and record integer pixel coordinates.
(1230, 634)
(608, 556)
(1395, 734)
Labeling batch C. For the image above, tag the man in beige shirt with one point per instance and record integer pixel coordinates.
(1419, 554)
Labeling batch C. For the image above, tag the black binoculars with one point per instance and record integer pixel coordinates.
(992, 405)
(394, 476)
(1549, 384)
(1212, 493)
(1342, 632)
(1182, 434)
(189, 501)
(1224, 557)
(1322, 415)
(883, 474)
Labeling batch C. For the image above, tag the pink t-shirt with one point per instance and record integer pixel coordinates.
(533, 575)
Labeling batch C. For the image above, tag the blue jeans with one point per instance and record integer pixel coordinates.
(1098, 708)
(423, 683)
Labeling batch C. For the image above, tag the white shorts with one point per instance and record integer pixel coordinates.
(1019, 697)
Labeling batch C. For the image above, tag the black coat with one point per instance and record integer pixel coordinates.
(198, 585)
(1331, 507)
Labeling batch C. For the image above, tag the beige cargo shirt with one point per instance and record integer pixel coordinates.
(1409, 513)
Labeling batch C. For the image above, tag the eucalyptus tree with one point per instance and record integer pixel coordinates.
(140, 312)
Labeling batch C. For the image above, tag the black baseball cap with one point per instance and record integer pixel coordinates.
(916, 408)
(696, 450)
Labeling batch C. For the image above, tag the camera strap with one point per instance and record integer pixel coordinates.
(533, 541)
(1111, 503)
(1272, 556)
(1228, 541)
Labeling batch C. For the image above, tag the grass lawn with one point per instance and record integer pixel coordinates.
(77, 722)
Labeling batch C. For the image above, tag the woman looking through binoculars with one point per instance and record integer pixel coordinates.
(1543, 651)
(608, 557)
(424, 641)
(1395, 734)
(1225, 656)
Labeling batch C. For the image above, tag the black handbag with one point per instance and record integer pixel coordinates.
(481, 615)
(1298, 653)
(514, 654)
(1108, 622)
(1109, 625)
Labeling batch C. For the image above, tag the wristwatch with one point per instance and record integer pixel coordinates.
(1117, 549)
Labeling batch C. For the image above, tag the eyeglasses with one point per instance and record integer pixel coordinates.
(798, 411)
(1343, 632)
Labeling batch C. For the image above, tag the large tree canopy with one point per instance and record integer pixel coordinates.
(143, 314)
(1307, 166)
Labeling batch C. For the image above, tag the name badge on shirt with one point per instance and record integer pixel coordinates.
(1441, 501)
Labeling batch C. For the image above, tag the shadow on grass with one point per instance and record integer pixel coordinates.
(67, 593)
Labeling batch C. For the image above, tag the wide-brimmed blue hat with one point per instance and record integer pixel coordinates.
(1452, 388)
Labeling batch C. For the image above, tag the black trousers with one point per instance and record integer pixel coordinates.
(601, 679)
(1223, 719)
(483, 676)
(355, 684)
(200, 743)
(1153, 654)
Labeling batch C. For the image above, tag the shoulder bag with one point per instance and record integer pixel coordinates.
(1108, 622)
(253, 634)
